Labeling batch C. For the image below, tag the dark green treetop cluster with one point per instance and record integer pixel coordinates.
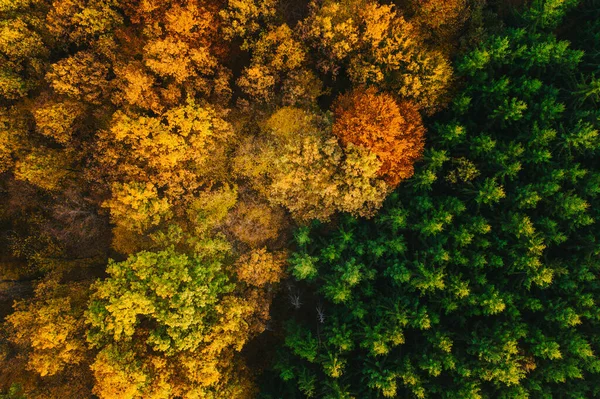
(480, 276)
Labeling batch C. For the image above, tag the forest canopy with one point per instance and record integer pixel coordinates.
(299, 199)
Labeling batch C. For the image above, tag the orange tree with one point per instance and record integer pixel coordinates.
(393, 131)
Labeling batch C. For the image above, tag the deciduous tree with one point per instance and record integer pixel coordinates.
(394, 132)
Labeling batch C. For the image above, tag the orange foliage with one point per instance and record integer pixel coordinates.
(393, 131)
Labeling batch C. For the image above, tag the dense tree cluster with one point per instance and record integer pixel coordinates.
(479, 277)
(156, 157)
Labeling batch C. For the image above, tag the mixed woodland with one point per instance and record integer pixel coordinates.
(290, 199)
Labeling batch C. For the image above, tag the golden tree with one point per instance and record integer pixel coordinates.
(254, 221)
(260, 267)
(47, 333)
(297, 163)
(440, 21)
(274, 56)
(81, 76)
(377, 46)
(179, 151)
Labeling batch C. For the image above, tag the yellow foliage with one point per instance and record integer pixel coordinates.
(440, 21)
(300, 166)
(18, 41)
(241, 18)
(170, 57)
(14, 5)
(257, 82)
(255, 222)
(260, 267)
(117, 375)
(12, 86)
(334, 29)
(81, 76)
(210, 208)
(361, 191)
(51, 333)
(137, 87)
(377, 46)
(189, 21)
(137, 206)
(43, 167)
(169, 325)
(279, 50)
(21, 50)
(274, 56)
(49, 328)
(301, 87)
(81, 21)
(57, 120)
(302, 175)
(179, 151)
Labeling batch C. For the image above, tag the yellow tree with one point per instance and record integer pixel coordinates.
(49, 336)
(376, 46)
(178, 45)
(260, 267)
(440, 21)
(83, 21)
(82, 76)
(167, 325)
(297, 163)
(58, 119)
(255, 222)
(275, 55)
(22, 49)
(44, 167)
(243, 18)
(179, 151)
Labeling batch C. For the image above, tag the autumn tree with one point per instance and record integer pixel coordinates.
(277, 58)
(243, 18)
(255, 222)
(188, 348)
(298, 164)
(45, 168)
(440, 22)
(50, 329)
(181, 51)
(49, 336)
(178, 151)
(59, 120)
(83, 21)
(393, 131)
(23, 51)
(375, 45)
(81, 76)
(260, 267)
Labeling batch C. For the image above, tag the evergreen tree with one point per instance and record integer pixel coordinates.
(479, 277)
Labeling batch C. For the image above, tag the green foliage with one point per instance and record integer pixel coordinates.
(175, 291)
(15, 392)
(477, 278)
